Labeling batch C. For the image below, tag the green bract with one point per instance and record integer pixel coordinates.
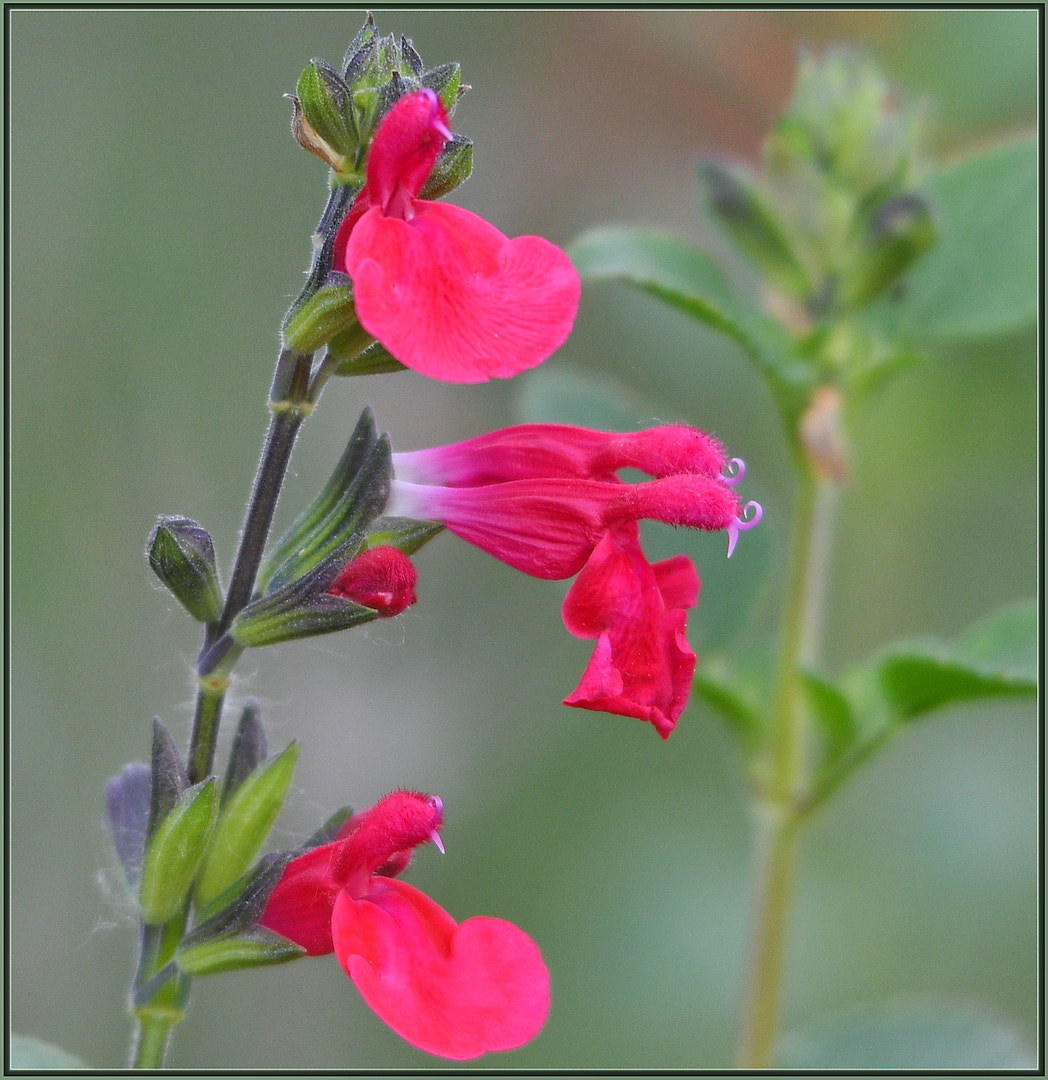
(175, 852)
(245, 820)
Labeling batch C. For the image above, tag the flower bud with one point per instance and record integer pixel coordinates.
(382, 578)
(182, 555)
(899, 231)
(312, 324)
(751, 221)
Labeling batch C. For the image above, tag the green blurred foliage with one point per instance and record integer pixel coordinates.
(159, 227)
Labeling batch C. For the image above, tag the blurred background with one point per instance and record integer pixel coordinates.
(160, 223)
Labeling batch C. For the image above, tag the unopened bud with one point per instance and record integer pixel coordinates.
(898, 233)
(751, 222)
(381, 578)
(182, 555)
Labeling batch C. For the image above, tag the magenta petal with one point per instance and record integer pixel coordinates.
(300, 905)
(642, 665)
(457, 991)
(453, 298)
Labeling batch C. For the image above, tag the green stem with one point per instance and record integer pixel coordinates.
(156, 1017)
(785, 777)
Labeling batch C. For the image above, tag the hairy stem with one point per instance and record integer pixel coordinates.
(160, 990)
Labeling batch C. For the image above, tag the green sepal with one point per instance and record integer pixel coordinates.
(324, 97)
(257, 947)
(182, 555)
(340, 198)
(247, 752)
(355, 494)
(175, 852)
(452, 167)
(405, 534)
(895, 236)
(375, 360)
(328, 832)
(240, 905)
(328, 312)
(244, 823)
(359, 446)
(446, 81)
(169, 778)
(748, 218)
(303, 607)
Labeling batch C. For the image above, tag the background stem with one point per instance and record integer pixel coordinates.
(784, 777)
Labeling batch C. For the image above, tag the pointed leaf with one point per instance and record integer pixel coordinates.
(245, 823)
(997, 658)
(240, 905)
(833, 714)
(176, 851)
(169, 777)
(690, 280)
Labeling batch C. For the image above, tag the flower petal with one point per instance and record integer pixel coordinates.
(532, 451)
(300, 905)
(453, 298)
(457, 991)
(642, 665)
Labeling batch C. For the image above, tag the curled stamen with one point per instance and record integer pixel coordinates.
(750, 516)
(734, 470)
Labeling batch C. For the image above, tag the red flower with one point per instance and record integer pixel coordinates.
(382, 578)
(455, 990)
(445, 292)
(546, 499)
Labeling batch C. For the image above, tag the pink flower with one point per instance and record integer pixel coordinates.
(444, 291)
(546, 499)
(457, 990)
(382, 578)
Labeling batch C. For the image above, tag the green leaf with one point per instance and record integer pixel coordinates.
(691, 281)
(663, 265)
(981, 277)
(30, 1053)
(907, 1035)
(997, 658)
(175, 852)
(833, 715)
(244, 823)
